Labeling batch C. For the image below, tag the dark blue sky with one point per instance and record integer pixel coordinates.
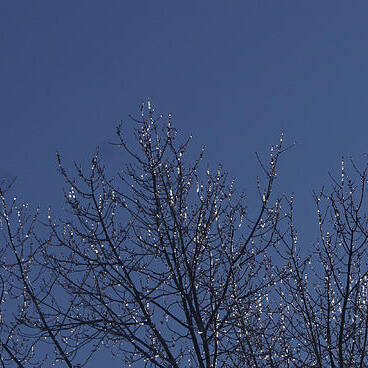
(234, 73)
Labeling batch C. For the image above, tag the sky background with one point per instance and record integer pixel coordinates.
(235, 74)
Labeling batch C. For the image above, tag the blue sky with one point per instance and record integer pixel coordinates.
(234, 73)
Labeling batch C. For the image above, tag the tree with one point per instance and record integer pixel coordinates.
(325, 298)
(165, 266)
(25, 287)
(161, 264)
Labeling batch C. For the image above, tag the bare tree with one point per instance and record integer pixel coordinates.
(325, 299)
(26, 329)
(163, 264)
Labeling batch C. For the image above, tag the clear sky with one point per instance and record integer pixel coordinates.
(234, 73)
